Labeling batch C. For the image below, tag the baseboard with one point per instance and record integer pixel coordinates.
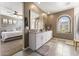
(25, 48)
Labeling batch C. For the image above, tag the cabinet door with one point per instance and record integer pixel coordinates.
(49, 35)
(38, 40)
(44, 38)
(32, 42)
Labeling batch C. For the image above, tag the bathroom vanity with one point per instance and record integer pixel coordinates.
(37, 39)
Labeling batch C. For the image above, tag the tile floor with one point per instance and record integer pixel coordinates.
(27, 52)
(54, 47)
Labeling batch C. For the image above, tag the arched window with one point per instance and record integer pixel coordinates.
(64, 24)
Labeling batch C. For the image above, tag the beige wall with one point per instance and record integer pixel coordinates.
(52, 19)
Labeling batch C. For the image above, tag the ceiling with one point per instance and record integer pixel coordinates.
(11, 7)
(54, 7)
(49, 7)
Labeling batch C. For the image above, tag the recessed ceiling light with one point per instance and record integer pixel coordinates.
(43, 14)
(48, 12)
(32, 6)
(38, 2)
(68, 3)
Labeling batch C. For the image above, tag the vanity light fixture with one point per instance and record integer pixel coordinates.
(5, 21)
(10, 21)
(14, 21)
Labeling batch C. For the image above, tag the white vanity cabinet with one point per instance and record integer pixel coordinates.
(37, 39)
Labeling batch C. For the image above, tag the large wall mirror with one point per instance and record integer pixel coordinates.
(33, 18)
(64, 24)
(36, 21)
